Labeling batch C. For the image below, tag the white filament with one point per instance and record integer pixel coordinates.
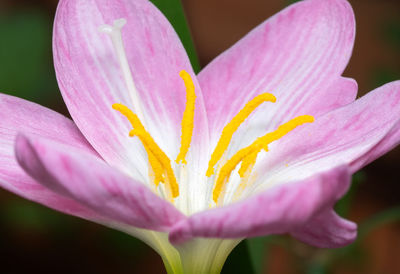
(115, 34)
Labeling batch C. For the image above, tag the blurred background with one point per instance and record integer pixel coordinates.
(34, 238)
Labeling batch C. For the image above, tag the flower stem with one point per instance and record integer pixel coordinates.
(205, 255)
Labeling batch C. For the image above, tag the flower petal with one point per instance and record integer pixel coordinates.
(298, 55)
(91, 80)
(327, 230)
(95, 184)
(17, 115)
(353, 135)
(341, 92)
(283, 209)
(387, 143)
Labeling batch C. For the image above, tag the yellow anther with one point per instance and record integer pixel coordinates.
(233, 126)
(161, 157)
(156, 168)
(136, 123)
(188, 117)
(159, 161)
(252, 150)
(247, 164)
(132, 117)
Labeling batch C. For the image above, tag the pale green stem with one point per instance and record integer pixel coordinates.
(199, 255)
(204, 255)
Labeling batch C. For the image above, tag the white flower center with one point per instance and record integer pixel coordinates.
(219, 168)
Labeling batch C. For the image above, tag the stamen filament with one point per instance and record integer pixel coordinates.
(232, 127)
(159, 161)
(248, 155)
(188, 117)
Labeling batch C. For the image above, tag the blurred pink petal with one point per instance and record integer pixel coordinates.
(327, 230)
(20, 115)
(90, 181)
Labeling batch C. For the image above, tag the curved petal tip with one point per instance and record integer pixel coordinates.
(327, 230)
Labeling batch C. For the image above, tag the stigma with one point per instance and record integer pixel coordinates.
(115, 34)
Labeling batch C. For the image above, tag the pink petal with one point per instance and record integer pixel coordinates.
(90, 181)
(352, 135)
(327, 230)
(17, 115)
(282, 209)
(387, 143)
(298, 55)
(91, 80)
(341, 92)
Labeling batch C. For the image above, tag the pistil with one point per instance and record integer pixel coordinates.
(115, 34)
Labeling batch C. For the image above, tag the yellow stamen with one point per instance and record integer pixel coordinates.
(132, 117)
(156, 170)
(136, 123)
(247, 164)
(252, 150)
(188, 117)
(159, 161)
(161, 157)
(246, 182)
(233, 126)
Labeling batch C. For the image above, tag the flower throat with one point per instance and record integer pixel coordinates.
(160, 165)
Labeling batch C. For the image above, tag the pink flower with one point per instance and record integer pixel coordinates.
(231, 187)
